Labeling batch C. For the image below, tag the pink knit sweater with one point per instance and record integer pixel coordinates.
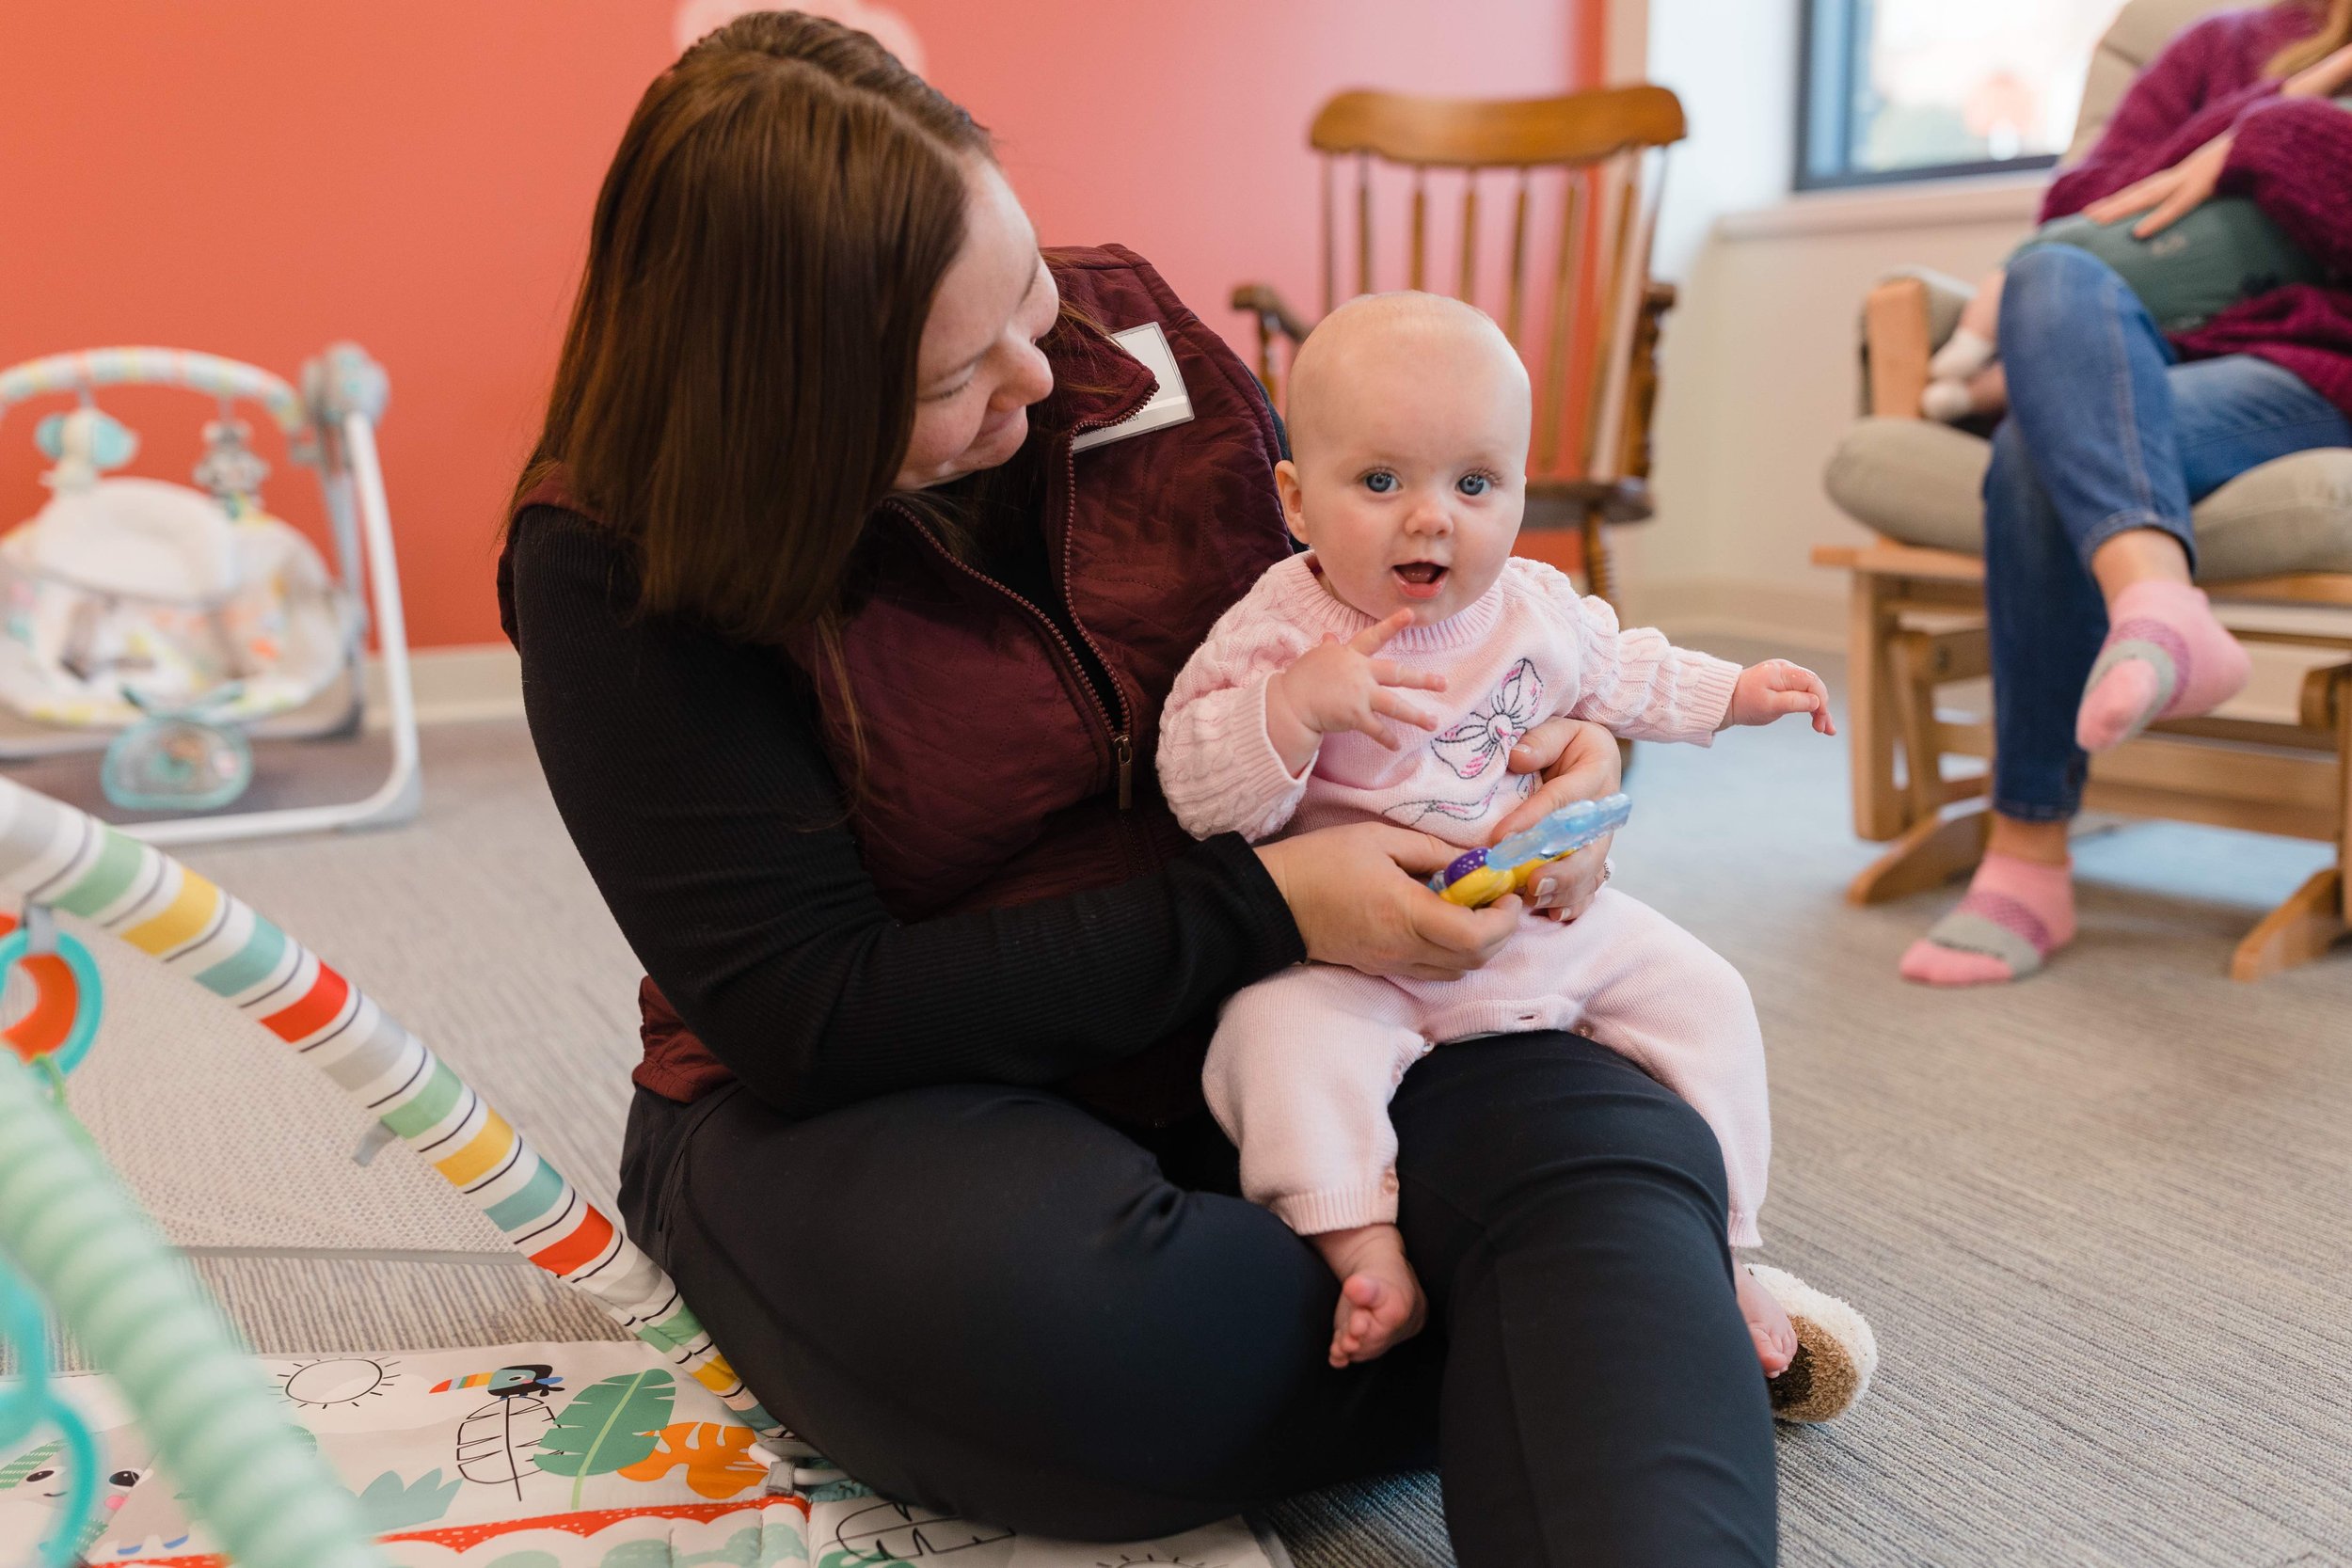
(1528, 649)
(2292, 155)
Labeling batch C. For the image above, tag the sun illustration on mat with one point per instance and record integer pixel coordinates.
(338, 1380)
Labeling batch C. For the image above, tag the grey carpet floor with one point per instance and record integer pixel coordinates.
(2096, 1218)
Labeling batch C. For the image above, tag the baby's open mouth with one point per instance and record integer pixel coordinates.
(1419, 579)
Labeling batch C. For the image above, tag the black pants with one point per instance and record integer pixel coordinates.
(986, 1300)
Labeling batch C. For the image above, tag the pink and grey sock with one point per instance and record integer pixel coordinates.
(2016, 915)
(2165, 656)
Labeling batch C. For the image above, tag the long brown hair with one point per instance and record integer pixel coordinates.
(2334, 30)
(737, 384)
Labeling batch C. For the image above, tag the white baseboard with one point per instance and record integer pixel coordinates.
(1800, 620)
(455, 685)
(473, 681)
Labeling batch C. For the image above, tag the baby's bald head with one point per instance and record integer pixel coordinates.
(1408, 424)
(1395, 352)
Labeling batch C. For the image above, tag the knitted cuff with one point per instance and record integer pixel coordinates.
(1704, 695)
(1341, 1208)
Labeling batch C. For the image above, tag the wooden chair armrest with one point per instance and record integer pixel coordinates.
(1275, 319)
(1274, 315)
(1565, 502)
(1885, 558)
(1895, 347)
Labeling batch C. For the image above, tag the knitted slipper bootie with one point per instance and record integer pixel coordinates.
(1837, 1352)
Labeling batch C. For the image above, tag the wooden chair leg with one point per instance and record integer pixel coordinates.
(1907, 657)
(1935, 850)
(2340, 703)
(2306, 925)
(1598, 574)
(1921, 662)
(1880, 808)
(2318, 914)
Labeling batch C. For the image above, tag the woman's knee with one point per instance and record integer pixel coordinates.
(1519, 1125)
(913, 1229)
(2047, 291)
(960, 1187)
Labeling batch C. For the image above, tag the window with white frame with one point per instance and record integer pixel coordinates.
(1917, 90)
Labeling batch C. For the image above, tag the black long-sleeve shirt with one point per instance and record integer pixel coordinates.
(690, 773)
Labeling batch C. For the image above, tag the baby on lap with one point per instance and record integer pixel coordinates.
(2187, 265)
(1386, 675)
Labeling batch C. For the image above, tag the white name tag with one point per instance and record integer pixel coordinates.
(1169, 403)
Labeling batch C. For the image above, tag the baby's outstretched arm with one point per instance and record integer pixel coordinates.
(1775, 689)
(1337, 687)
(1632, 681)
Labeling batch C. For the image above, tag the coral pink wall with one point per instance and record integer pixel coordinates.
(258, 177)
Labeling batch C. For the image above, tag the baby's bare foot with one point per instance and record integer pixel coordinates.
(1380, 1300)
(1775, 1337)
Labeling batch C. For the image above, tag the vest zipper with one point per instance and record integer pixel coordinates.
(1122, 731)
(1122, 742)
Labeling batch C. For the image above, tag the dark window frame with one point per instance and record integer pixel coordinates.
(1829, 51)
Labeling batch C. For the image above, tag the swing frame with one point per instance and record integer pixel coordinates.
(330, 427)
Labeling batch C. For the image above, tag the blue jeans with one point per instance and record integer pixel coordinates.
(2107, 431)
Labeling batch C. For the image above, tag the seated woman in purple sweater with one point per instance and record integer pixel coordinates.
(2116, 429)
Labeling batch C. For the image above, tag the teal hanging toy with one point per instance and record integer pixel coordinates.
(68, 1229)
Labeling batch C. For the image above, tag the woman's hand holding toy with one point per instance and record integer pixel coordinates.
(1775, 690)
(1356, 895)
(1480, 877)
(2175, 191)
(1337, 687)
(1580, 761)
(2324, 80)
(2171, 192)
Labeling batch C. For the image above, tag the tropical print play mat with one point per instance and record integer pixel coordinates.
(590, 1456)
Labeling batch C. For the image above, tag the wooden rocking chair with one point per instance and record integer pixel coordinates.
(1590, 341)
(2279, 534)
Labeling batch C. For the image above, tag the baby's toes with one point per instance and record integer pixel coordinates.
(1350, 1325)
(1388, 1313)
(1770, 1352)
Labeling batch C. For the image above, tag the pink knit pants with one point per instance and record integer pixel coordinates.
(1304, 1063)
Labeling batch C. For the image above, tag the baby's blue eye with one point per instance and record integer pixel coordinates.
(1473, 485)
(1380, 481)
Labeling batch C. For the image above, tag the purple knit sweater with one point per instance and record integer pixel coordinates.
(2292, 155)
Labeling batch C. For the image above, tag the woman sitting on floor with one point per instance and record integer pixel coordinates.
(840, 656)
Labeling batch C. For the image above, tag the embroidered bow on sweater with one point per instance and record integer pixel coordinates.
(2293, 156)
(1529, 648)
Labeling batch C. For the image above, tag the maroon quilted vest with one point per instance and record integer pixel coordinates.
(993, 771)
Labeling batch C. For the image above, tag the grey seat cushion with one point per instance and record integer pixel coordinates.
(1921, 482)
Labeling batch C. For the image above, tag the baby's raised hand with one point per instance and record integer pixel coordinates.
(1337, 687)
(1766, 691)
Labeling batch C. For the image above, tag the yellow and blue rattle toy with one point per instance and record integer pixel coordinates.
(1479, 876)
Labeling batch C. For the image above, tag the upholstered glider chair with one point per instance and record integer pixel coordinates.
(1573, 182)
(2280, 534)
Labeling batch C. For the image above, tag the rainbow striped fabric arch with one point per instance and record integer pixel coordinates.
(55, 856)
(90, 369)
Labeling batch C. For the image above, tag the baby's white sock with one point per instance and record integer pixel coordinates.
(1964, 354)
(1947, 401)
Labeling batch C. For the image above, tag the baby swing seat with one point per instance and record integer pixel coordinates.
(166, 622)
